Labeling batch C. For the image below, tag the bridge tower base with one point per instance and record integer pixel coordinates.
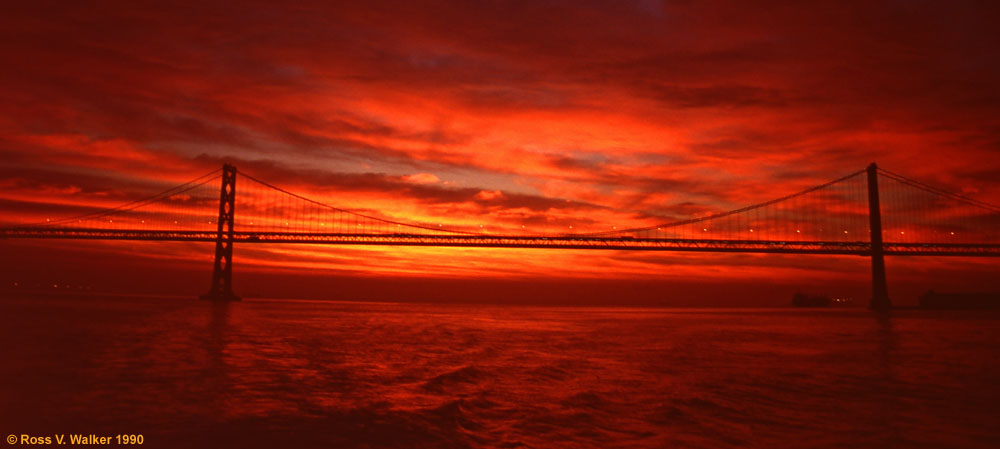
(222, 272)
(880, 292)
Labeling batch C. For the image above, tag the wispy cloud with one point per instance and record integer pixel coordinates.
(509, 113)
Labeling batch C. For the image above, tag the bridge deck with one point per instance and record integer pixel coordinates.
(516, 241)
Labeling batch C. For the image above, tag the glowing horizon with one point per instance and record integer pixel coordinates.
(589, 116)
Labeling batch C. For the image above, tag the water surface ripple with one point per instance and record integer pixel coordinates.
(338, 374)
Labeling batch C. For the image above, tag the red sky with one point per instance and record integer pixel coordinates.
(602, 112)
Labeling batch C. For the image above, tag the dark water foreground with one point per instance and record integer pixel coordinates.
(291, 374)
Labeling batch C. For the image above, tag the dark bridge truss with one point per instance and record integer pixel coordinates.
(511, 241)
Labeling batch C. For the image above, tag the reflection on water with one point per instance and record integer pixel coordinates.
(327, 374)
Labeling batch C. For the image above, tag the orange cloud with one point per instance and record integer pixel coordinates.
(507, 116)
(422, 178)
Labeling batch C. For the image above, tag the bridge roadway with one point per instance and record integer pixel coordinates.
(518, 241)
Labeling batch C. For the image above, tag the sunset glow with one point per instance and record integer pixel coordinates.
(584, 117)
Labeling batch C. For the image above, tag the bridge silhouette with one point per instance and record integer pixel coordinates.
(871, 212)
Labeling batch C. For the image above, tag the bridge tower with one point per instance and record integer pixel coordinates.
(222, 273)
(880, 293)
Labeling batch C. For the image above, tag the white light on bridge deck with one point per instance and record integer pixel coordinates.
(704, 229)
(845, 232)
(797, 231)
(751, 230)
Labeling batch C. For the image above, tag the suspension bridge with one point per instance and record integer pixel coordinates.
(871, 212)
